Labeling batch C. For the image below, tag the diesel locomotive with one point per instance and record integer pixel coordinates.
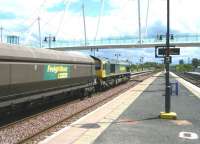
(27, 71)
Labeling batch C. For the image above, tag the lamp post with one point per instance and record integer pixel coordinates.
(161, 36)
(141, 61)
(50, 39)
(117, 55)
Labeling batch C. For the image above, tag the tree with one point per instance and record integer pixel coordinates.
(195, 62)
(181, 61)
(183, 68)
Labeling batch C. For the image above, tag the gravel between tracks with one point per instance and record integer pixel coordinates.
(15, 133)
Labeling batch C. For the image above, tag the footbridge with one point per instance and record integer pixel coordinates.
(189, 40)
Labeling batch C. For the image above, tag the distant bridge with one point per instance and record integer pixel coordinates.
(114, 43)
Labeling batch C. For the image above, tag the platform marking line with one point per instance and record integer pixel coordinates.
(192, 88)
(103, 116)
(188, 135)
(181, 122)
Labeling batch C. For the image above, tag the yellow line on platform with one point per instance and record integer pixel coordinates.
(88, 128)
(192, 88)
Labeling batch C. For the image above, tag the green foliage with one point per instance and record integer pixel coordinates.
(195, 62)
(183, 67)
(146, 66)
(187, 67)
(133, 67)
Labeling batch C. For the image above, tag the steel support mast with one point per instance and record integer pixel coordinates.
(139, 24)
(84, 25)
(1, 29)
(167, 114)
(39, 31)
(167, 90)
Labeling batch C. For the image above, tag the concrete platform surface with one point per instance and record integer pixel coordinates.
(140, 124)
(89, 127)
(133, 118)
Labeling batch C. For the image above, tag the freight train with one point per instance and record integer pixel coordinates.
(28, 71)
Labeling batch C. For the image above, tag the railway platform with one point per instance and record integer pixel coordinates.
(133, 118)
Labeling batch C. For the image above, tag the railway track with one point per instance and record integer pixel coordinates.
(34, 128)
(190, 78)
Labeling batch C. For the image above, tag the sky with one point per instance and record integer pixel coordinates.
(118, 18)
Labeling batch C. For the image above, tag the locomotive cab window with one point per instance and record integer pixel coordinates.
(104, 66)
(97, 67)
(112, 68)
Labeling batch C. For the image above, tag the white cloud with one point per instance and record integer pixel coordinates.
(122, 18)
